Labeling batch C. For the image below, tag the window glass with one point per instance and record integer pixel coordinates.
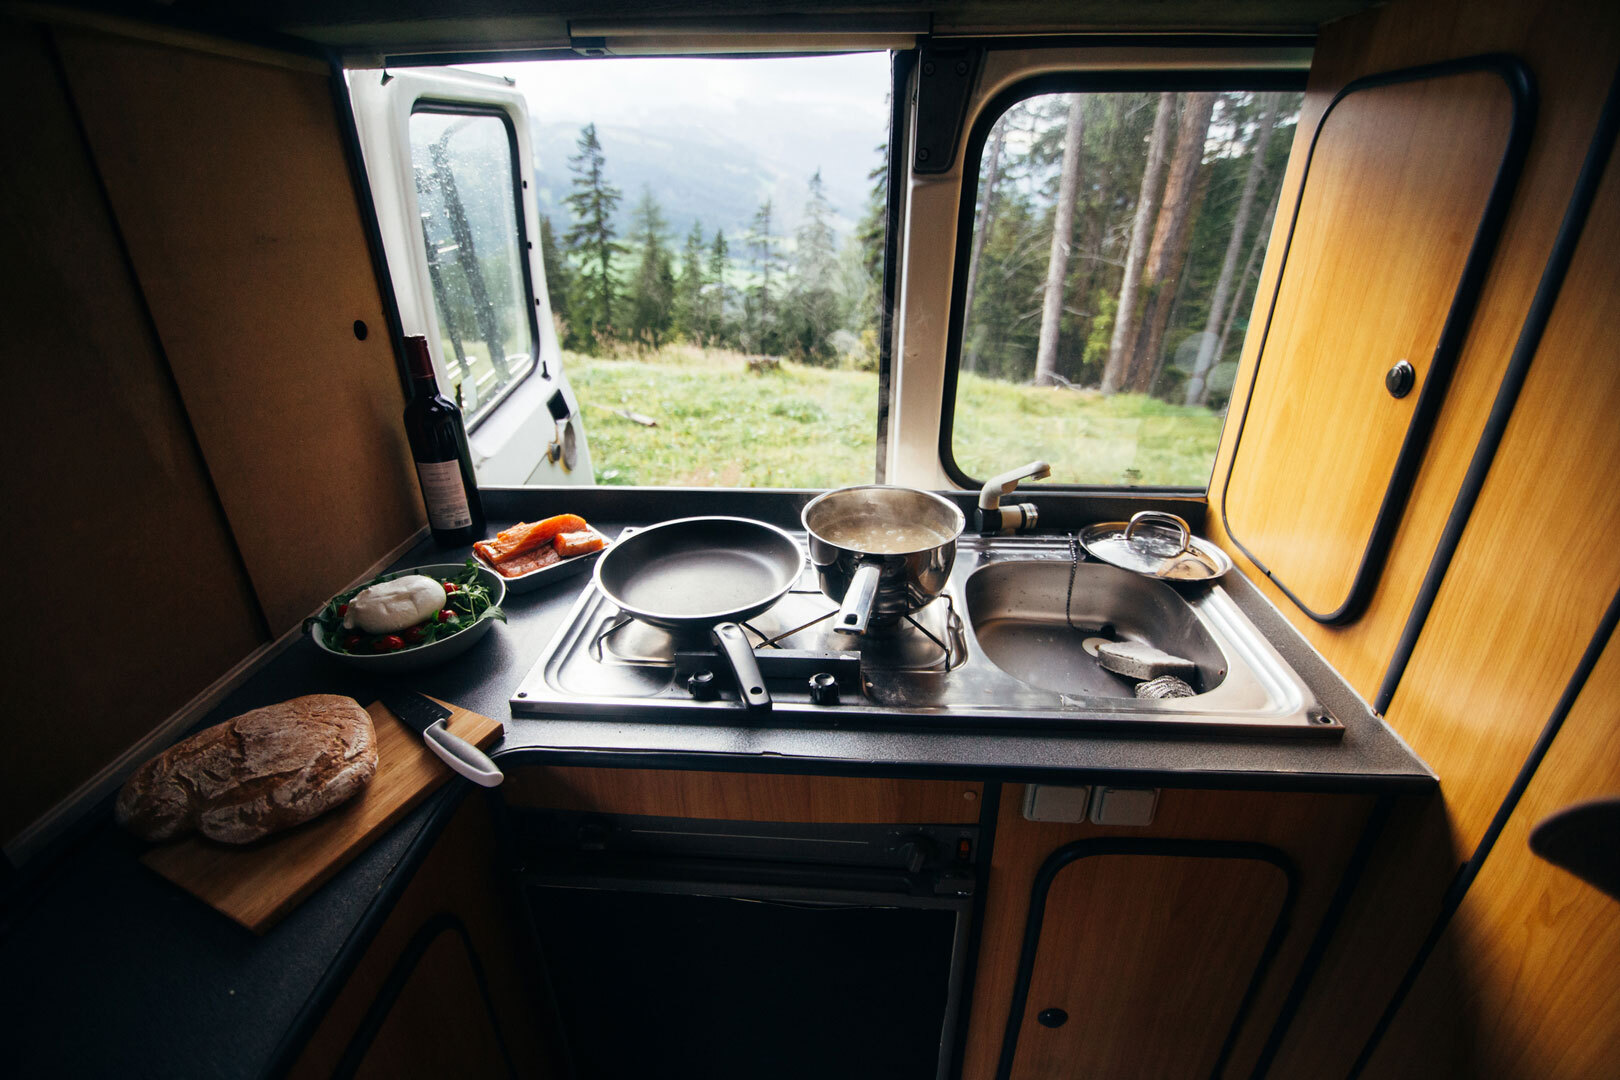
(465, 189)
(713, 239)
(1116, 247)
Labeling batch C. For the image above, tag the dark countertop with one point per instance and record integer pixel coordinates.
(109, 970)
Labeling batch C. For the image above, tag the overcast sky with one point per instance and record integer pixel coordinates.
(849, 91)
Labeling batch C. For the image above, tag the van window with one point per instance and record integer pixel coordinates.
(469, 189)
(713, 236)
(1115, 249)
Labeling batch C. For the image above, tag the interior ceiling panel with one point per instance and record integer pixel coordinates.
(418, 25)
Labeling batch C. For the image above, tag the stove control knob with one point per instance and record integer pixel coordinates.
(824, 688)
(917, 850)
(703, 685)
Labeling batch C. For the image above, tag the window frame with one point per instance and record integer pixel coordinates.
(1070, 82)
(447, 107)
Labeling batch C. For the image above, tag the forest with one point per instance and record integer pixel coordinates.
(1116, 245)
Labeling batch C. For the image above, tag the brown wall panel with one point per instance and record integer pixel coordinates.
(1570, 49)
(1317, 832)
(136, 599)
(230, 184)
(1524, 982)
(744, 796)
(1534, 569)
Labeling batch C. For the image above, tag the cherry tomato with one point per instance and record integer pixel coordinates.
(352, 642)
(447, 615)
(416, 633)
(343, 609)
(391, 643)
(449, 586)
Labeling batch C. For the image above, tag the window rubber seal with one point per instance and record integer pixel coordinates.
(1120, 81)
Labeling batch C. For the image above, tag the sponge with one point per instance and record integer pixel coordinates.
(1139, 660)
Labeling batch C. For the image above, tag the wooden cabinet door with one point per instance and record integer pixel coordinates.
(1405, 186)
(1140, 957)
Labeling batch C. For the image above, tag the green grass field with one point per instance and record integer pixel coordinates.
(806, 427)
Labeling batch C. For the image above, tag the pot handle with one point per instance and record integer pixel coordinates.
(739, 655)
(856, 610)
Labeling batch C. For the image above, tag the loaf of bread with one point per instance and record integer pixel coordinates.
(254, 774)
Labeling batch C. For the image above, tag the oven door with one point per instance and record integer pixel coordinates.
(666, 963)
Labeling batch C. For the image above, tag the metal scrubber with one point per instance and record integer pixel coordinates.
(1139, 660)
(1165, 686)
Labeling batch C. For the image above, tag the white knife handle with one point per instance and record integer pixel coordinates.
(463, 756)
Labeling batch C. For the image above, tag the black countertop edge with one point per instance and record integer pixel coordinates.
(442, 805)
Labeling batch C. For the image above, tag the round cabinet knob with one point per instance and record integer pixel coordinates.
(1051, 1018)
(702, 685)
(1400, 379)
(824, 688)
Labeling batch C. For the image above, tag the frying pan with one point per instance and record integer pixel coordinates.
(705, 573)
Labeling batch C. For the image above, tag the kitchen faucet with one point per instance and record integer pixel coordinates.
(992, 518)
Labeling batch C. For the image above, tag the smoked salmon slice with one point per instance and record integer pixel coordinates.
(569, 544)
(525, 561)
(526, 536)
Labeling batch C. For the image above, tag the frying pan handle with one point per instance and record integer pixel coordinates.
(733, 644)
(857, 607)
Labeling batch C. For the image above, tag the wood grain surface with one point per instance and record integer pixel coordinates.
(1397, 186)
(1570, 48)
(1150, 957)
(1317, 832)
(258, 883)
(1507, 626)
(1526, 980)
(100, 436)
(230, 184)
(737, 796)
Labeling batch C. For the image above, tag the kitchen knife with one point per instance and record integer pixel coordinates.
(427, 718)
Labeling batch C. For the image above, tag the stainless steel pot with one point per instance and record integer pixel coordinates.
(881, 551)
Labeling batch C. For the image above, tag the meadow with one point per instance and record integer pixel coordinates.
(719, 423)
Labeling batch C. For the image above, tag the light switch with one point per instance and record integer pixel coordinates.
(1047, 802)
(1124, 806)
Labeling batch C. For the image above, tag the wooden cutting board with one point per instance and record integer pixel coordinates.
(256, 884)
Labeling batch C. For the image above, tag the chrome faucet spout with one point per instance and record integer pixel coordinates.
(992, 517)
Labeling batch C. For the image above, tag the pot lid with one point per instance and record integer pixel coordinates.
(1156, 544)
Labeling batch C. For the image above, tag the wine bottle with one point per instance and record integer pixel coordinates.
(443, 460)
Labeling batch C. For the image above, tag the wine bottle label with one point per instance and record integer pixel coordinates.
(444, 494)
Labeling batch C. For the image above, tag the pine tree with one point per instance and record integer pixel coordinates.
(1057, 266)
(652, 292)
(559, 275)
(689, 287)
(812, 310)
(1122, 344)
(761, 303)
(717, 293)
(872, 235)
(590, 241)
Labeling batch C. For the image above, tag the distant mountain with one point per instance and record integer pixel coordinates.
(698, 174)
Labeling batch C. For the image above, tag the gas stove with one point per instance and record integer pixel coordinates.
(927, 669)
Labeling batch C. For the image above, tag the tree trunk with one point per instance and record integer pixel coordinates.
(1250, 268)
(1197, 389)
(987, 217)
(1057, 263)
(1170, 235)
(1122, 343)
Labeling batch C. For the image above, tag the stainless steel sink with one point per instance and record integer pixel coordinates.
(1024, 621)
(1014, 593)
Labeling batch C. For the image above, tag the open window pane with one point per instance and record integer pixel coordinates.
(1116, 248)
(713, 236)
(465, 187)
